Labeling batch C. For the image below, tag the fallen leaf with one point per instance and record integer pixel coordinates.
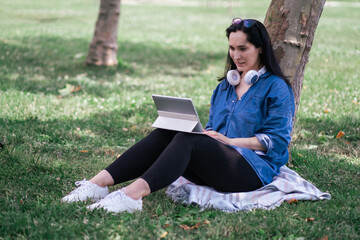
(196, 226)
(76, 89)
(311, 219)
(164, 234)
(125, 129)
(21, 201)
(206, 222)
(324, 238)
(300, 155)
(293, 200)
(68, 89)
(84, 151)
(340, 134)
(327, 110)
(109, 152)
(166, 225)
(185, 227)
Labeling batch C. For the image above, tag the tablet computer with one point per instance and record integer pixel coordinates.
(176, 113)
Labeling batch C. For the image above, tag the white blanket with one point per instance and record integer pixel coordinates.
(287, 186)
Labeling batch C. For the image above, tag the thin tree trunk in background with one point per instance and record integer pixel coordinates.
(291, 25)
(103, 47)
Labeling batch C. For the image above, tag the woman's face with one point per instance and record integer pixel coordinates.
(244, 54)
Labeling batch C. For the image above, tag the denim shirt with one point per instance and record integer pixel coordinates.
(266, 111)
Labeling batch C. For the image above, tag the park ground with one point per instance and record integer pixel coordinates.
(62, 121)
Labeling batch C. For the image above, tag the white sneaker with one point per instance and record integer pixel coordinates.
(86, 190)
(117, 202)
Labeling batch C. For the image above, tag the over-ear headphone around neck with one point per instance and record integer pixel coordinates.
(233, 76)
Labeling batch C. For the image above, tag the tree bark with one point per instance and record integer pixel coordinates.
(103, 47)
(291, 25)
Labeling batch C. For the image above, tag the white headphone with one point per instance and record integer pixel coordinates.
(250, 77)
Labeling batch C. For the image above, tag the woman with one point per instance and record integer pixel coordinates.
(249, 128)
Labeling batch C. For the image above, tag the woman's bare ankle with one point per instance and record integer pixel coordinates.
(138, 189)
(103, 179)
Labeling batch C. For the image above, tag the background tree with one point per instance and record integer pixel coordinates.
(103, 47)
(291, 25)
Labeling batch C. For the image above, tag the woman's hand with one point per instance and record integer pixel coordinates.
(219, 137)
(251, 143)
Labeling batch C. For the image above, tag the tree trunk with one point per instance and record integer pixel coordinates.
(103, 47)
(291, 25)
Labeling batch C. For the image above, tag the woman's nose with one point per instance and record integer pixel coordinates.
(236, 55)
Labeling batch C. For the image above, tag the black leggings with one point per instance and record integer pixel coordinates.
(163, 156)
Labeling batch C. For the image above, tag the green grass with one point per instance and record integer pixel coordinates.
(165, 50)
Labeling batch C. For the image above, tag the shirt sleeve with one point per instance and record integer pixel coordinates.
(275, 134)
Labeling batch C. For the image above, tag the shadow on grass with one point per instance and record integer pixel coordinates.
(107, 129)
(322, 134)
(96, 130)
(45, 64)
(328, 125)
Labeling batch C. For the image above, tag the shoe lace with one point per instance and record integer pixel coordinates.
(114, 197)
(82, 186)
(79, 183)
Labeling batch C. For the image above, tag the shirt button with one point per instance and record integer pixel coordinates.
(233, 101)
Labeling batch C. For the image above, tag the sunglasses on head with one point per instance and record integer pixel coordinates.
(246, 22)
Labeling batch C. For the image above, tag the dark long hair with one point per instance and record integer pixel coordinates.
(257, 35)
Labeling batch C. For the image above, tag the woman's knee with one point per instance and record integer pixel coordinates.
(161, 134)
(159, 131)
(182, 136)
(188, 139)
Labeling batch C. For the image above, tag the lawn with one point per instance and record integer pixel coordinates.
(53, 137)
